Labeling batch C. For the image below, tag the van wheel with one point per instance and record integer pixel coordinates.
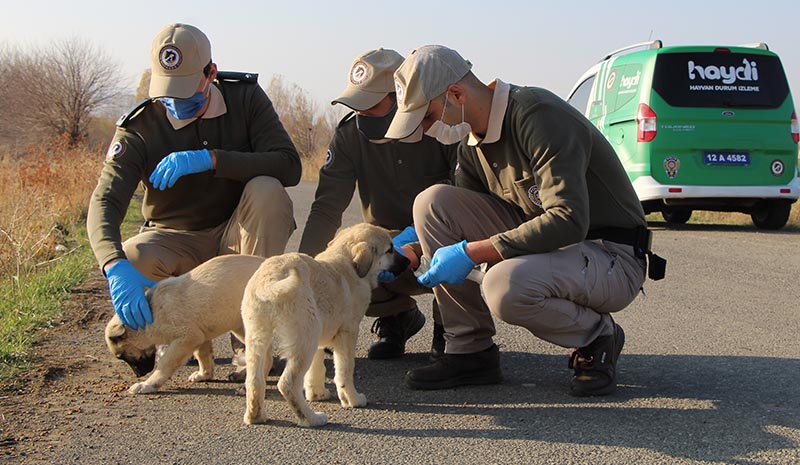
(771, 215)
(677, 215)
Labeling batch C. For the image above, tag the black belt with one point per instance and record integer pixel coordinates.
(640, 238)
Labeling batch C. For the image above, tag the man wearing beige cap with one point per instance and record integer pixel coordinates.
(213, 160)
(541, 197)
(389, 175)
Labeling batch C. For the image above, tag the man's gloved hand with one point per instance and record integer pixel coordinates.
(178, 164)
(126, 286)
(386, 277)
(449, 265)
(406, 236)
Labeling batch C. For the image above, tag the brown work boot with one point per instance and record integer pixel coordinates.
(595, 365)
(393, 332)
(451, 370)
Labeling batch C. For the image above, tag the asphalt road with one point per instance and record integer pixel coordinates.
(709, 374)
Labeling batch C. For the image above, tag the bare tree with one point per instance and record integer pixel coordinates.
(56, 90)
(309, 128)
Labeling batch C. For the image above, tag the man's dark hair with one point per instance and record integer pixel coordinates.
(207, 69)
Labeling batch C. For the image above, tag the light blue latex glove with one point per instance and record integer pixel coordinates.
(449, 265)
(178, 164)
(386, 277)
(126, 286)
(406, 236)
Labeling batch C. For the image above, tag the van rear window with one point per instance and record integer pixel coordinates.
(720, 80)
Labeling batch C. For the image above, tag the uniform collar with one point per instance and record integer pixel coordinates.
(415, 136)
(216, 107)
(496, 114)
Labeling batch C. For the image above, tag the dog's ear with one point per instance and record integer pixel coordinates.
(363, 256)
(115, 331)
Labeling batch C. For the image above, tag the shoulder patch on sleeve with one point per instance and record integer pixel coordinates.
(328, 158)
(132, 112)
(116, 149)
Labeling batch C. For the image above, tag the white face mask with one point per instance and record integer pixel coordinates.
(447, 134)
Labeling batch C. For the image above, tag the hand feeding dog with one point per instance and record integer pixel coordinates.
(301, 305)
(189, 311)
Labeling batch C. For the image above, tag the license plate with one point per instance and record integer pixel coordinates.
(726, 158)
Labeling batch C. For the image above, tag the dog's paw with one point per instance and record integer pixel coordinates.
(238, 376)
(317, 394)
(200, 376)
(254, 418)
(242, 391)
(142, 388)
(359, 400)
(317, 419)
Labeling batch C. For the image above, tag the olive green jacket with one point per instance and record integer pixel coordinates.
(548, 160)
(248, 141)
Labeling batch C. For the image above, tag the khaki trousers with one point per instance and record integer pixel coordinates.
(564, 296)
(260, 225)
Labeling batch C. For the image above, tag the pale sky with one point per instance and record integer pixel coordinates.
(312, 44)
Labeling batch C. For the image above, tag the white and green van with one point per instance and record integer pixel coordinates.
(699, 128)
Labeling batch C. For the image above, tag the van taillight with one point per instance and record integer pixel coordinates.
(795, 128)
(646, 123)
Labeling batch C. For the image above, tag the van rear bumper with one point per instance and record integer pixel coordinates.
(648, 188)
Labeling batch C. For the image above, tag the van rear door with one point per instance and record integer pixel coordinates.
(725, 114)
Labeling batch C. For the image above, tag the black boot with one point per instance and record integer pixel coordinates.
(595, 365)
(393, 332)
(438, 343)
(453, 370)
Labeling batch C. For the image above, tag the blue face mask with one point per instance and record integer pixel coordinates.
(184, 108)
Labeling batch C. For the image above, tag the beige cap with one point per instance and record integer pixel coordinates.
(370, 79)
(425, 74)
(177, 58)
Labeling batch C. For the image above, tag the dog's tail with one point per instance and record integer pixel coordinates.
(278, 290)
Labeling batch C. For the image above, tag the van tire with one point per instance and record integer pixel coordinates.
(771, 215)
(677, 215)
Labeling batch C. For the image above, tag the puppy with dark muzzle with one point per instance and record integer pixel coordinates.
(302, 305)
(189, 311)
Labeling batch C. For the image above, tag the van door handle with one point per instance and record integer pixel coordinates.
(626, 120)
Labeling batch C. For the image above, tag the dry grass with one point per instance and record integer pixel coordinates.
(311, 165)
(46, 191)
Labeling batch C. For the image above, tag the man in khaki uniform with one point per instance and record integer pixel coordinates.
(540, 195)
(389, 175)
(213, 160)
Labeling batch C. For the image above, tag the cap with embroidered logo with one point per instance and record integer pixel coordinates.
(370, 79)
(177, 58)
(425, 74)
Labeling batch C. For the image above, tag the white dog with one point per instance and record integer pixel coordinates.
(189, 311)
(303, 305)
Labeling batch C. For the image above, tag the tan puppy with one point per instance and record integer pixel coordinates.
(189, 311)
(302, 305)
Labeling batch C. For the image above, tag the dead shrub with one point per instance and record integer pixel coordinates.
(45, 191)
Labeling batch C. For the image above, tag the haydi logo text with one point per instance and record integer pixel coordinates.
(630, 81)
(747, 72)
